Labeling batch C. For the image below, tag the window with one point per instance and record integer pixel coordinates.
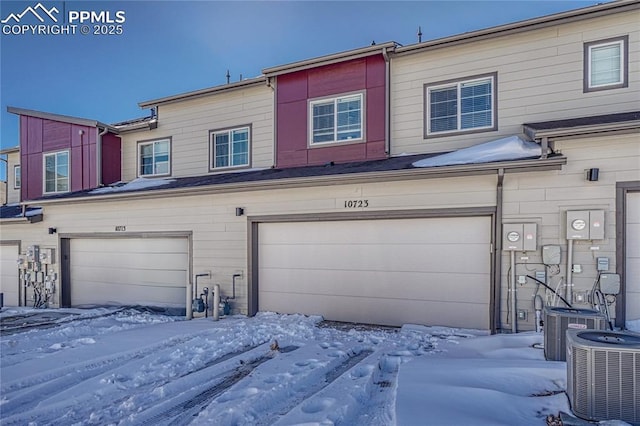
(606, 64)
(56, 172)
(336, 120)
(154, 158)
(16, 177)
(229, 148)
(461, 106)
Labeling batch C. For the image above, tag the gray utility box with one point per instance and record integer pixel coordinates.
(558, 320)
(585, 225)
(519, 237)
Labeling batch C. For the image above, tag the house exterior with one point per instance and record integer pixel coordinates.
(318, 187)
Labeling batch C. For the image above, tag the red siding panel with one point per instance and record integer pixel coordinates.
(292, 87)
(34, 178)
(55, 135)
(39, 137)
(34, 135)
(295, 89)
(111, 159)
(339, 78)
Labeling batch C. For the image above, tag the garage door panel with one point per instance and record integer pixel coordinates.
(146, 271)
(162, 278)
(128, 294)
(632, 256)
(132, 260)
(633, 250)
(391, 284)
(375, 232)
(393, 312)
(398, 257)
(410, 270)
(9, 274)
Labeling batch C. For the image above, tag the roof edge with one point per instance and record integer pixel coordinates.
(59, 117)
(516, 166)
(203, 92)
(588, 12)
(10, 150)
(329, 59)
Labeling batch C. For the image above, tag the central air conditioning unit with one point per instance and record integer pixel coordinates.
(603, 375)
(558, 320)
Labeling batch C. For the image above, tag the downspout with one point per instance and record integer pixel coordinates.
(497, 256)
(99, 157)
(275, 120)
(387, 101)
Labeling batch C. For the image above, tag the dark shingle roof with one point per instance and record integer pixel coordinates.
(585, 121)
(14, 211)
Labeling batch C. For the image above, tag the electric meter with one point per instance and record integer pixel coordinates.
(578, 224)
(513, 236)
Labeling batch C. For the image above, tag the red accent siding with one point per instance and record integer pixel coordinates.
(39, 137)
(111, 159)
(293, 93)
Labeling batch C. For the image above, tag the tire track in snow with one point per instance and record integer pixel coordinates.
(188, 403)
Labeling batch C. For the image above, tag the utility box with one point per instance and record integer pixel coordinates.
(519, 236)
(585, 225)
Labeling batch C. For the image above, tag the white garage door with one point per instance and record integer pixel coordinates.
(9, 274)
(421, 271)
(632, 273)
(129, 271)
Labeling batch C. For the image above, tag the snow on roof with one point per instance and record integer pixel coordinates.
(136, 184)
(509, 148)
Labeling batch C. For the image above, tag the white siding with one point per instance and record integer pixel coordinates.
(188, 124)
(540, 78)
(13, 193)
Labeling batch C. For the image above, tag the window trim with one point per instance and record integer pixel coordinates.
(150, 141)
(624, 69)
(334, 98)
(427, 134)
(16, 184)
(44, 171)
(212, 150)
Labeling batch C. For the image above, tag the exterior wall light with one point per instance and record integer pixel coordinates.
(53, 231)
(592, 174)
(239, 211)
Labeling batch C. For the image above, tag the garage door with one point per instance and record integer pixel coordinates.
(129, 271)
(9, 274)
(632, 273)
(392, 272)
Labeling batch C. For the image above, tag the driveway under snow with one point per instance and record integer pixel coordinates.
(128, 367)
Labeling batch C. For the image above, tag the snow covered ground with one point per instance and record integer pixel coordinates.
(131, 367)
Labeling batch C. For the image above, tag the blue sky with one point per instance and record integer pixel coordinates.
(169, 47)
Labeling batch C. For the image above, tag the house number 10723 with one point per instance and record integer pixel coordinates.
(354, 204)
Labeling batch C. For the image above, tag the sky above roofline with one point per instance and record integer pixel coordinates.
(163, 48)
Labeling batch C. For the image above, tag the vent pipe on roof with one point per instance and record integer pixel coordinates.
(419, 34)
(228, 77)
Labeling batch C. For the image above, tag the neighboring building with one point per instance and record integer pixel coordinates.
(317, 188)
(11, 191)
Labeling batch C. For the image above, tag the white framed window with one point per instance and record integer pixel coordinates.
(17, 179)
(56, 172)
(338, 119)
(229, 147)
(467, 105)
(605, 64)
(154, 158)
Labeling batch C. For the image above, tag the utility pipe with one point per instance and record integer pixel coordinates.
(189, 314)
(514, 313)
(569, 290)
(216, 302)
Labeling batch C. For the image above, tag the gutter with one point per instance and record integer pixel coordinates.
(203, 92)
(582, 130)
(328, 59)
(517, 166)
